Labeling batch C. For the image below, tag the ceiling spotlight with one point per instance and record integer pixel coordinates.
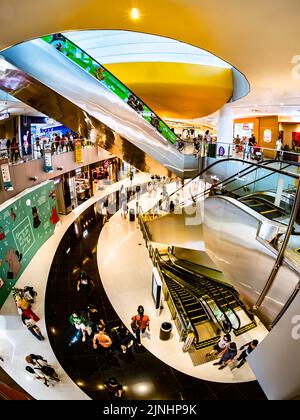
(135, 13)
(60, 168)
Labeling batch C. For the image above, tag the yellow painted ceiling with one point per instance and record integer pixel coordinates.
(259, 38)
(177, 90)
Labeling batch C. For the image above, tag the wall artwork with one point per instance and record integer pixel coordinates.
(25, 225)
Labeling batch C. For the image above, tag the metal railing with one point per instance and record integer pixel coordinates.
(19, 153)
(221, 150)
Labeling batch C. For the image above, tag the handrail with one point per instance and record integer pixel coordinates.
(203, 193)
(207, 291)
(203, 148)
(191, 291)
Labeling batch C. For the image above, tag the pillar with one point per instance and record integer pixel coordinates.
(225, 125)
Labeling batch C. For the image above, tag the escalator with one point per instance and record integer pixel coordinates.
(263, 207)
(240, 240)
(75, 76)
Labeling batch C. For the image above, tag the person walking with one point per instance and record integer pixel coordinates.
(278, 148)
(102, 341)
(85, 286)
(79, 322)
(114, 388)
(139, 324)
(243, 356)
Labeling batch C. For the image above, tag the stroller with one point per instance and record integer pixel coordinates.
(257, 154)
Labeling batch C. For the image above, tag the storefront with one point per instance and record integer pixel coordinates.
(83, 184)
(65, 190)
(35, 131)
(104, 172)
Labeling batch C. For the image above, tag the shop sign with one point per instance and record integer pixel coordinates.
(267, 136)
(4, 116)
(48, 167)
(5, 174)
(78, 152)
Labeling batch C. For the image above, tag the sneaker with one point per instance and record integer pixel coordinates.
(217, 363)
(222, 367)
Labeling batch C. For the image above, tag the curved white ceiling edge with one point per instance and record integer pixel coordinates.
(111, 46)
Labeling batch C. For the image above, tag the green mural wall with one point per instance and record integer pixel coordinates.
(26, 222)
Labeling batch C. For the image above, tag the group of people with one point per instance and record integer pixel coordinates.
(228, 352)
(24, 298)
(37, 365)
(10, 148)
(95, 332)
(41, 369)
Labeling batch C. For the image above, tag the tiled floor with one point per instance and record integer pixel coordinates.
(144, 375)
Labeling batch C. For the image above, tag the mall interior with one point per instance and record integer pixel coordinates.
(149, 200)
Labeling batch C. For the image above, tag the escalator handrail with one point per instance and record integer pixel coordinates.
(198, 299)
(182, 305)
(211, 295)
(264, 177)
(232, 178)
(259, 165)
(208, 293)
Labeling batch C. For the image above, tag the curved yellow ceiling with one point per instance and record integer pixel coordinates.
(244, 34)
(177, 90)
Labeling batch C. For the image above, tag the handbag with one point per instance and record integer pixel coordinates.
(135, 325)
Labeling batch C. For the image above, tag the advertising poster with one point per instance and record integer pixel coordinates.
(25, 224)
(48, 158)
(5, 175)
(78, 152)
(26, 137)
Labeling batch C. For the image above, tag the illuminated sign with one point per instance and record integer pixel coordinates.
(267, 136)
(4, 116)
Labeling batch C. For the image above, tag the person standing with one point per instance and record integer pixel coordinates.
(278, 148)
(139, 324)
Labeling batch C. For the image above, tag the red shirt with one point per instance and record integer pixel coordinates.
(142, 323)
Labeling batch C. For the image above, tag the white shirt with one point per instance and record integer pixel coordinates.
(278, 145)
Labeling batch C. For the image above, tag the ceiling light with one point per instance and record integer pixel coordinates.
(135, 13)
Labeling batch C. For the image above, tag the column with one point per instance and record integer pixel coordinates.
(225, 129)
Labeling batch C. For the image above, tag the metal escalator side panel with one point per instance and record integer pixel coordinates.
(53, 69)
(47, 101)
(231, 240)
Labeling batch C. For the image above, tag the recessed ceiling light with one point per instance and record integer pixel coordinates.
(135, 13)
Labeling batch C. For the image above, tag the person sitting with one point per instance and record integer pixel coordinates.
(221, 345)
(227, 356)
